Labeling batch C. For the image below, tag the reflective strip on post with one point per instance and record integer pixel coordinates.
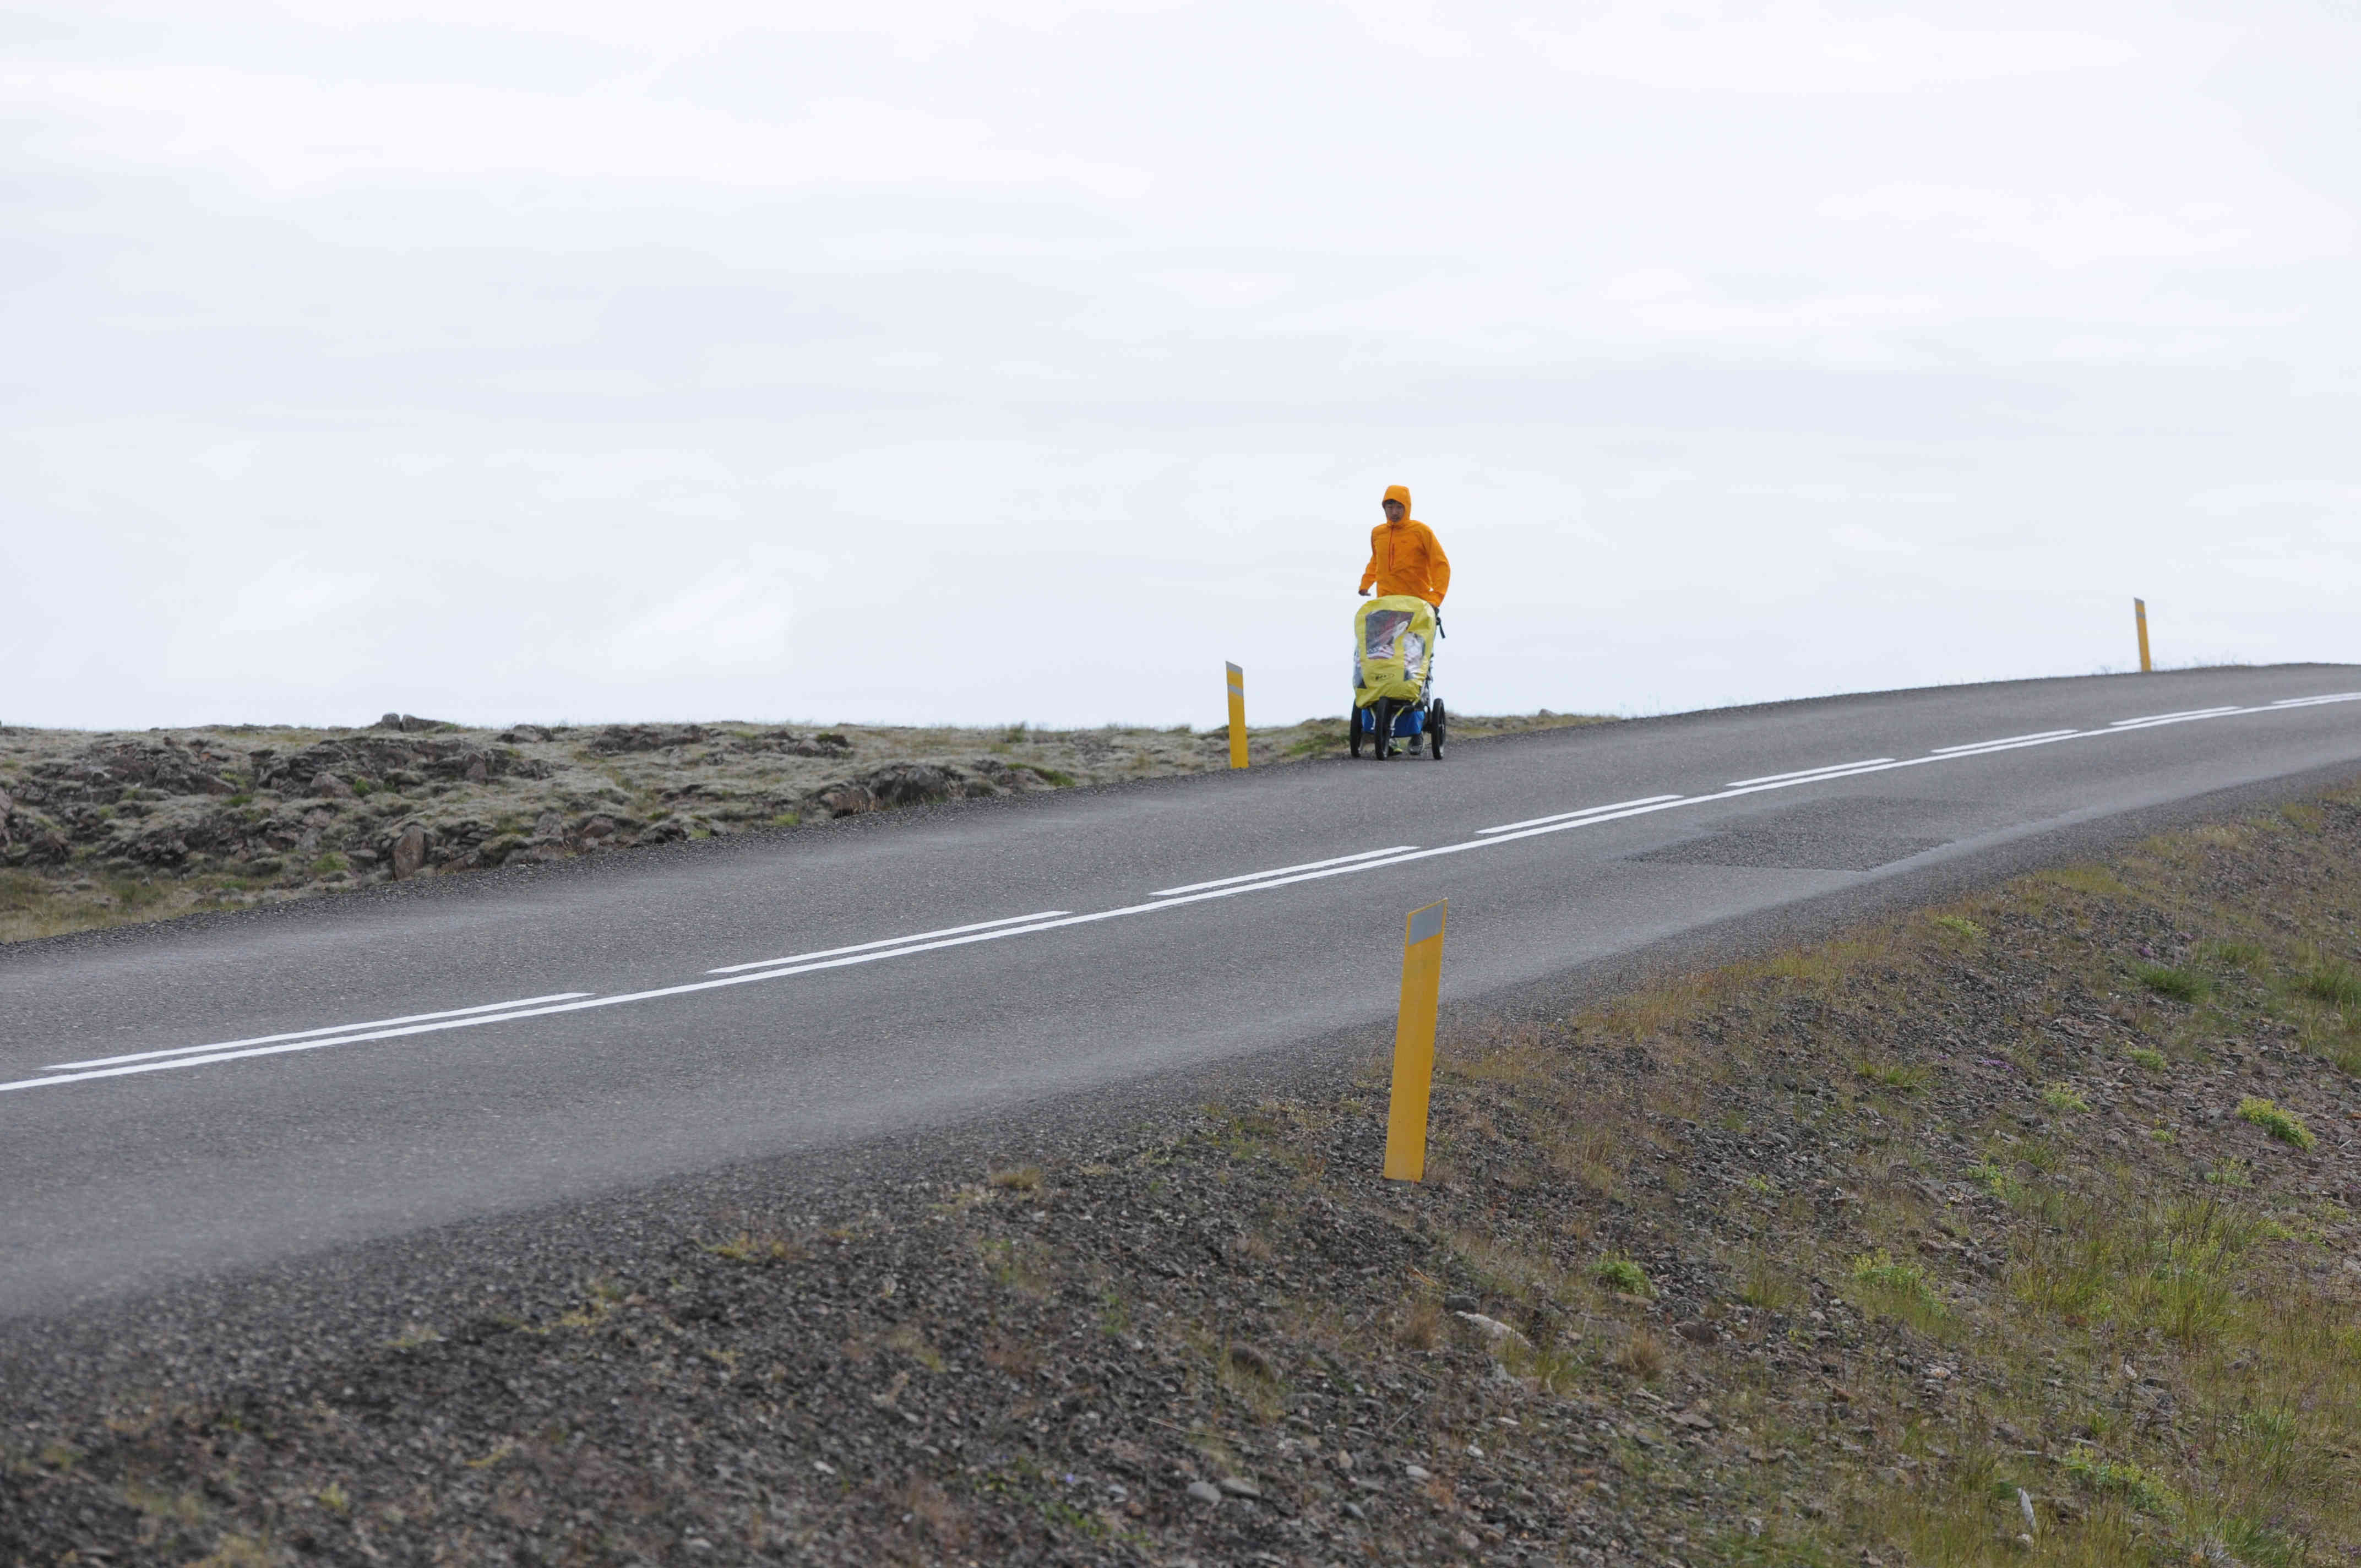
(2140, 617)
(1421, 981)
(1237, 716)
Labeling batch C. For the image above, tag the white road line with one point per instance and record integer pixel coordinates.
(1018, 926)
(1808, 772)
(885, 942)
(310, 1034)
(1585, 811)
(1847, 771)
(1275, 870)
(2004, 740)
(2176, 717)
(1954, 753)
(2311, 701)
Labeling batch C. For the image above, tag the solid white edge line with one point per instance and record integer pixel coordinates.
(1584, 811)
(2184, 713)
(886, 942)
(1807, 773)
(1279, 870)
(2307, 701)
(311, 1034)
(2003, 740)
(1474, 843)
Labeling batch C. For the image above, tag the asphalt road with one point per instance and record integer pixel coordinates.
(202, 1096)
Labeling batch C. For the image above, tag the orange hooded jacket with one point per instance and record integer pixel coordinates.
(1404, 557)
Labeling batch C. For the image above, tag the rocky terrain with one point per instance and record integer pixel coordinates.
(2021, 1231)
(100, 829)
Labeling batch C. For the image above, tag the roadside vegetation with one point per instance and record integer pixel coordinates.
(1958, 1239)
(106, 829)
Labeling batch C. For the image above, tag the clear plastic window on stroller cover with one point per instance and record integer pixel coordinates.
(1393, 650)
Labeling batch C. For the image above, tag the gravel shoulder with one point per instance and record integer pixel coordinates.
(101, 829)
(2022, 1227)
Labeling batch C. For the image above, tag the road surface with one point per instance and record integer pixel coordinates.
(187, 1098)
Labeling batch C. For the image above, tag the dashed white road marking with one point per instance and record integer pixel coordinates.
(1802, 773)
(1585, 811)
(2003, 740)
(1279, 870)
(2182, 717)
(887, 942)
(309, 1034)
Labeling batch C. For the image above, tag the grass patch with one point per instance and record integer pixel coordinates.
(1903, 1078)
(2181, 984)
(748, 1247)
(1959, 925)
(2063, 1098)
(2285, 1125)
(1620, 1274)
(2153, 1061)
(2332, 981)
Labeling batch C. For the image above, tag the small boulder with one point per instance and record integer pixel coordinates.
(1205, 1491)
(409, 852)
(328, 786)
(1493, 1329)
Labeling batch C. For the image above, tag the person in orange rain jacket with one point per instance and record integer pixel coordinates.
(1403, 555)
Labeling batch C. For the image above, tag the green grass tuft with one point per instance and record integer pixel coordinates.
(1620, 1274)
(2335, 981)
(2284, 1125)
(2181, 984)
(2153, 1060)
(2062, 1098)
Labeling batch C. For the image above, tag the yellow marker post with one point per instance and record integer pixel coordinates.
(2140, 617)
(1237, 716)
(1414, 1043)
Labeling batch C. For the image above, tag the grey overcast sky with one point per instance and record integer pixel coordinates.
(1026, 359)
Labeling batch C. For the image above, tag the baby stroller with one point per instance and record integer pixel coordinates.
(1393, 677)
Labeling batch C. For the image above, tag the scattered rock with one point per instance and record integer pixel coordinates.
(409, 852)
(1493, 1329)
(616, 739)
(1205, 1491)
(1239, 1487)
(328, 786)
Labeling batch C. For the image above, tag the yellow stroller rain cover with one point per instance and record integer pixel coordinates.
(1393, 650)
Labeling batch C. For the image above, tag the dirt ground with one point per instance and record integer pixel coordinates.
(101, 828)
(2017, 1231)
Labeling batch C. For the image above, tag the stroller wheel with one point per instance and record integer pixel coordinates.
(1353, 731)
(1435, 718)
(1385, 735)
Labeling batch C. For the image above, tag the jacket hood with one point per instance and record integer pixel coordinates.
(1400, 493)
